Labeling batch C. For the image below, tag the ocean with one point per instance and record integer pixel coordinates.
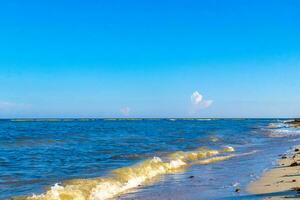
(137, 158)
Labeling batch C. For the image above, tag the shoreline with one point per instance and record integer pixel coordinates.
(282, 181)
(154, 175)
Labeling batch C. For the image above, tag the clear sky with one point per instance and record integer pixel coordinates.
(158, 58)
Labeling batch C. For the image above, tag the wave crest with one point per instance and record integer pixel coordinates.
(127, 178)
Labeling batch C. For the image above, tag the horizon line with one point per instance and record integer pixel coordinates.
(95, 118)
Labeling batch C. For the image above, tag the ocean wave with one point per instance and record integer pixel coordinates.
(191, 119)
(284, 132)
(282, 129)
(294, 140)
(277, 125)
(204, 119)
(129, 178)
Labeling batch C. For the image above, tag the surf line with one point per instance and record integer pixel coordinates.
(127, 179)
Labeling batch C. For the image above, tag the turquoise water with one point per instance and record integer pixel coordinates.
(37, 154)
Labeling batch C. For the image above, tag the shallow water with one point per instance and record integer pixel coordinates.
(161, 156)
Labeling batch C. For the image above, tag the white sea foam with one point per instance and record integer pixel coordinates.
(286, 132)
(204, 119)
(277, 125)
(282, 129)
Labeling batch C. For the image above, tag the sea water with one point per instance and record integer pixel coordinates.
(93, 159)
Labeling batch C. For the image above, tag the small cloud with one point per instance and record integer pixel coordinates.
(11, 106)
(207, 103)
(199, 102)
(11, 109)
(125, 111)
(196, 98)
(6, 105)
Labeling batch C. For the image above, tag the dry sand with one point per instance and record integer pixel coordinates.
(281, 182)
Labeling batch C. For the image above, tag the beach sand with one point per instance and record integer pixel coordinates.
(282, 181)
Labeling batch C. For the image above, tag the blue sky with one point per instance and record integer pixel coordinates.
(147, 58)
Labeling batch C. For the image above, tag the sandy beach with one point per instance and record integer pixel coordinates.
(282, 181)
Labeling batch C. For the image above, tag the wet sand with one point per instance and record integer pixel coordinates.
(282, 181)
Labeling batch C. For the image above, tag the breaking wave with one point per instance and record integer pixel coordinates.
(129, 178)
(285, 132)
(281, 129)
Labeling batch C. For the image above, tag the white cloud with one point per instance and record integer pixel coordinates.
(196, 98)
(10, 109)
(6, 105)
(125, 111)
(11, 106)
(199, 102)
(207, 103)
